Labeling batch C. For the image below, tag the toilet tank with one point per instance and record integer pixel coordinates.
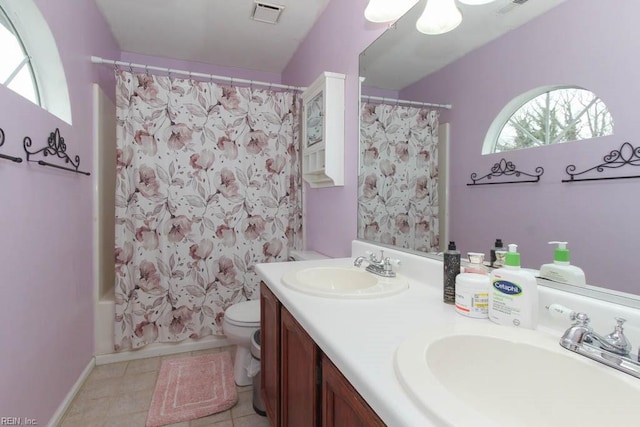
(305, 255)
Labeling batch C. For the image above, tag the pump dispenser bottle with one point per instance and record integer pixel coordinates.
(561, 271)
(451, 270)
(513, 295)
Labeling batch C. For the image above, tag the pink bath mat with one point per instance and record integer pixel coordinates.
(192, 387)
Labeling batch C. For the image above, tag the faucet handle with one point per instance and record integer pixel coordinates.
(388, 262)
(617, 337)
(581, 319)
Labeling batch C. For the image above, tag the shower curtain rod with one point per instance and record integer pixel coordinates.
(403, 101)
(232, 80)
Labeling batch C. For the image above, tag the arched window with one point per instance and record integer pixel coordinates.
(16, 71)
(30, 63)
(548, 116)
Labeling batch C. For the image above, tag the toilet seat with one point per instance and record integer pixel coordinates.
(245, 314)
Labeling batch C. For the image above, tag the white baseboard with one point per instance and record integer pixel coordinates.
(57, 416)
(162, 349)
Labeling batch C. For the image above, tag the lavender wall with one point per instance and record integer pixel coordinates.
(46, 321)
(585, 43)
(333, 44)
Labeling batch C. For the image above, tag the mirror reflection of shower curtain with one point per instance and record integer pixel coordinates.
(398, 179)
(208, 185)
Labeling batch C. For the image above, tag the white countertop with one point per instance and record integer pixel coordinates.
(361, 336)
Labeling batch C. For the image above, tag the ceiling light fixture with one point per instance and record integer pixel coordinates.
(439, 17)
(387, 10)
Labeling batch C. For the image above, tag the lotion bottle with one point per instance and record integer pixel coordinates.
(513, 295)
(561, 271)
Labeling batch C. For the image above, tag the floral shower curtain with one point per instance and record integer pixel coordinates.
(208, 185)
(398, 179)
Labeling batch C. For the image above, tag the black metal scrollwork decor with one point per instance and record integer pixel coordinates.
(506, 168)
(55, 147)
(4, 156)
(627, 155)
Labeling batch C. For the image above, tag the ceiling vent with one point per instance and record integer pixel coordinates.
(267, 12)
(512, 5)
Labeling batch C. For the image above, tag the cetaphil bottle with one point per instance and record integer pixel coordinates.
(513, 295)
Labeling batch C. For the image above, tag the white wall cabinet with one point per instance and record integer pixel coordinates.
(323, 131)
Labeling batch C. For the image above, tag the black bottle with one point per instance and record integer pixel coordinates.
(497, 246)
(451, 270)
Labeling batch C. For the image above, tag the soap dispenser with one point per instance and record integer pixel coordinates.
(513, 295)
(561, 271)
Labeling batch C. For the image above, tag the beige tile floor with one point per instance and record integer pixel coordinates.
(119, 395)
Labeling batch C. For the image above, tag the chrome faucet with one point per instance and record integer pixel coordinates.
(613, 350)
(382, 266)
(581, 332)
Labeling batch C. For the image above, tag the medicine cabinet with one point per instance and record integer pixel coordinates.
(323, 131)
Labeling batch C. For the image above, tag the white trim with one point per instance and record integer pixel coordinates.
(59, 414)
(163, 349)
(190, 74)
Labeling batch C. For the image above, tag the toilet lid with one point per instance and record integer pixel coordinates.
(244, 312)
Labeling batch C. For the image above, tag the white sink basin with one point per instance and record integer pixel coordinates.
(490, 375)
(342, 282)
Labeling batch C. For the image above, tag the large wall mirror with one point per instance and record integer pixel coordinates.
(588, 44)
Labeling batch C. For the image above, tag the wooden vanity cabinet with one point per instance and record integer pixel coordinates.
(300, 386)
(299, 374)
(342, 405)
(270, 353)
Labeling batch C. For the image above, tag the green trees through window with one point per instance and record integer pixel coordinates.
(555, 116)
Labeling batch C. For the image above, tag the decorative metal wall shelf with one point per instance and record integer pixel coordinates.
(626, 155)
(4, 156)
(55, 147)
(506, 168)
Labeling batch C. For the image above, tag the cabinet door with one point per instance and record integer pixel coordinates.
(270, 353)
(300, 375)
(342, 405)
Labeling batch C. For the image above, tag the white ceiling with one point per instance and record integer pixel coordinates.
(221, 32)
(218, 32)
(402, 55)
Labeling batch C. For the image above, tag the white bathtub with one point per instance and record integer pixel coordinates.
(103, 340)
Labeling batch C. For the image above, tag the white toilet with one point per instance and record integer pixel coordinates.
(240, 322)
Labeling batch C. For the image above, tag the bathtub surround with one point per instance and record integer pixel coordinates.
(398, 179)
(208, 184)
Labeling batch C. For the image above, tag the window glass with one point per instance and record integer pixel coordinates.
(553, 117)
(15, 65)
